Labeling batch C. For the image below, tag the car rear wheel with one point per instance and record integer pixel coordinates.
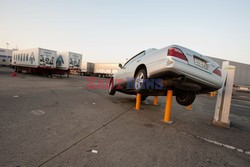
(140, 79)
(143, 97)
(111, 87)
(185, 98)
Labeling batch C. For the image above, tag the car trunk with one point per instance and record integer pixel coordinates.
(199, 61)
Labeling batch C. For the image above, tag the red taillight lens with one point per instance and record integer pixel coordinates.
(217, 71)
(177, 53)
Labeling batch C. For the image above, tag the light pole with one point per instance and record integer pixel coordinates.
(7, 45)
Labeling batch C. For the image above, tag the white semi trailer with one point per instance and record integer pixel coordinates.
(34, 58)
(87, 68)
(68, 60)
(105, 69)
(5, 56)
(37, 60)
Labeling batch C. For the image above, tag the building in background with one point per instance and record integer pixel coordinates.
(5, 56)
(242, 71)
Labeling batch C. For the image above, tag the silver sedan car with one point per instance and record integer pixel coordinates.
(154, 71)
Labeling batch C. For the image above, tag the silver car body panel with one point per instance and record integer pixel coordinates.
(158, 62)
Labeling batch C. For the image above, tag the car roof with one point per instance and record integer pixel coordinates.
(150, 50)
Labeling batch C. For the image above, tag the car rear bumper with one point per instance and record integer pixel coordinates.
(175, 68)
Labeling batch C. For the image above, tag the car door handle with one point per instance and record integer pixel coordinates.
(138, 60)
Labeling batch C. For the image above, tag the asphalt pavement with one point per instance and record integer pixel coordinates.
(58, 122)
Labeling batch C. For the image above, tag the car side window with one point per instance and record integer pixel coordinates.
(130, 61)
(140, 55)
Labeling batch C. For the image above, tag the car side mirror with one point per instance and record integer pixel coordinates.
(120, 65)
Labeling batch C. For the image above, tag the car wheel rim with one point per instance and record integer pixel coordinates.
(139, 81)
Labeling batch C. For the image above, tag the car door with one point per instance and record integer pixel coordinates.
(124, 71)
(138, 61)
(132, 65)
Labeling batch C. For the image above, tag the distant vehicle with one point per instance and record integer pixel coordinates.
(68, 60)
(34, 58)
(184, 71)
(87, 68)
(105, 69)
(38, 61)
(5, 56)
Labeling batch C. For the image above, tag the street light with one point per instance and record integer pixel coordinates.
(7, 45)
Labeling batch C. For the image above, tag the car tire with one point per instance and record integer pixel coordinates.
(140, 79)
(185, 98)
(111, 87)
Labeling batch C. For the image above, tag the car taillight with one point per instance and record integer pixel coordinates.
(217, 71)
(177, 53)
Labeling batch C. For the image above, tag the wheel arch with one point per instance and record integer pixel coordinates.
(141, 66)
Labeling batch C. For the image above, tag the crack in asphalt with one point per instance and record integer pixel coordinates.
(85, 137)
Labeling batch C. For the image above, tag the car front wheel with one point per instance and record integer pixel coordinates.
(111, 87)
(140, 78)
(185, 98)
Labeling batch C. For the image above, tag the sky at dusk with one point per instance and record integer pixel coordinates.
(113, 30)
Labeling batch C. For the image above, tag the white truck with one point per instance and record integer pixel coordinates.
(5, 56)
(87, 68)
(68, 60)
(105, 69)
(34, 58)
(37, 61)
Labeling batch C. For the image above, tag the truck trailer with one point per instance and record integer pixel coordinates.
(36, 60)
(105, 69)
(87, 68)
(5, 57)
(68, 60)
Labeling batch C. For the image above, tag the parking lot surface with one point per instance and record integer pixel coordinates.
(58, 122)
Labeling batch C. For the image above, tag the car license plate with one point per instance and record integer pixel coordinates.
(200, 63)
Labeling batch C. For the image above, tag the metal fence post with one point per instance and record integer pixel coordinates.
(138, 101)
(156, 100)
